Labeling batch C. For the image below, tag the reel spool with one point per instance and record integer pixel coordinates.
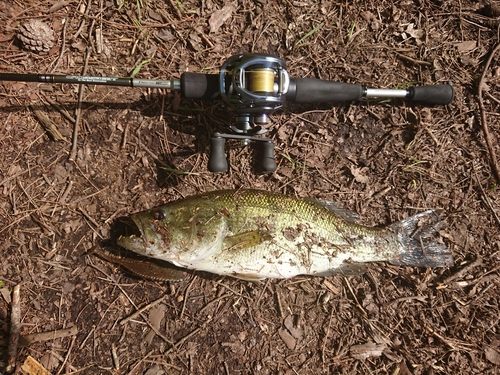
(253, 86)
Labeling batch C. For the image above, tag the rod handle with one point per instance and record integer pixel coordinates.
(200, 86)
(431, 94)
(312, 90)
(217, 161)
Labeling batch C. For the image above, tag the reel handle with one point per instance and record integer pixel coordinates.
(217, 162)
(266, 162)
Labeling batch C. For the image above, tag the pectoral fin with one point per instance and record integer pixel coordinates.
(245, 240)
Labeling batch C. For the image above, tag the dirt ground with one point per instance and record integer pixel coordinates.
(139, 148)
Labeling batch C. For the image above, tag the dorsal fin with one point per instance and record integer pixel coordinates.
(347, 215)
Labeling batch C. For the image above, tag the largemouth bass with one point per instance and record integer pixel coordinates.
(252, 234)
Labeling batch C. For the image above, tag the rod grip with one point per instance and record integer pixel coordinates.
(312, 90)
(432, 94)
(217, 161)
(200, 86)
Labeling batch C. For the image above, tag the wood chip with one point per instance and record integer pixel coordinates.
(367, 350)
(287, 338)
(32, 367)
(48, 125)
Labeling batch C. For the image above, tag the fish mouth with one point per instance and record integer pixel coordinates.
(140, 243)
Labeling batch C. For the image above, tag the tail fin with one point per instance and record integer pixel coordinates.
(418, 244)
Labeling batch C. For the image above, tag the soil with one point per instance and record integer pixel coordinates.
(138, 148)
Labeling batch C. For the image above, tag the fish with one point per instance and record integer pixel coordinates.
(255, 234)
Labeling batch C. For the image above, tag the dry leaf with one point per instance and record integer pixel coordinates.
(5, 294)
(155, 370)
(466, 46)
(58, 5)
(414, 33)
(156, 315)
(359, 176)
(296, 332)
(220, 16)
(492, 355)
(287, 338)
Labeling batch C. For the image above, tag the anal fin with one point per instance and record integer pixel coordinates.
(346, 269)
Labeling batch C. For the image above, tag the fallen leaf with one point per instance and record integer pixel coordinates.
(414, 33)
(155, 370)
(287, 338)
(156, 314)
(466, 46)
(5, 294)
(155, 16)
(220, 16)
(296, 332)
(359, 176)
(492, 355)
(57, 5)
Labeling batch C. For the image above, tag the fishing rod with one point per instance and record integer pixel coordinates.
(253, 86)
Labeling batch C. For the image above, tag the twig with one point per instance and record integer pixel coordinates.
(74, 146)
(141, 310)
(45, 336)
(485, 197)
(15, 328)
(460, 274)
(355, 298)
(453, 344)
(116, 360)
(325, 340)
(412, 60)
(63, 46)
(146, 320)
(66, 192)
(67, 355)
(484, 123)
(189, 335)
(186, 294)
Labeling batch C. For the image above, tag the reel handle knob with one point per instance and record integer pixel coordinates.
(267, 162)
(217, 161)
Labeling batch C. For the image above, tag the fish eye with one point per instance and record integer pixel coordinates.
(158, 215)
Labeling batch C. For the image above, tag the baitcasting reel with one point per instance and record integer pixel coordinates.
(253, 86)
